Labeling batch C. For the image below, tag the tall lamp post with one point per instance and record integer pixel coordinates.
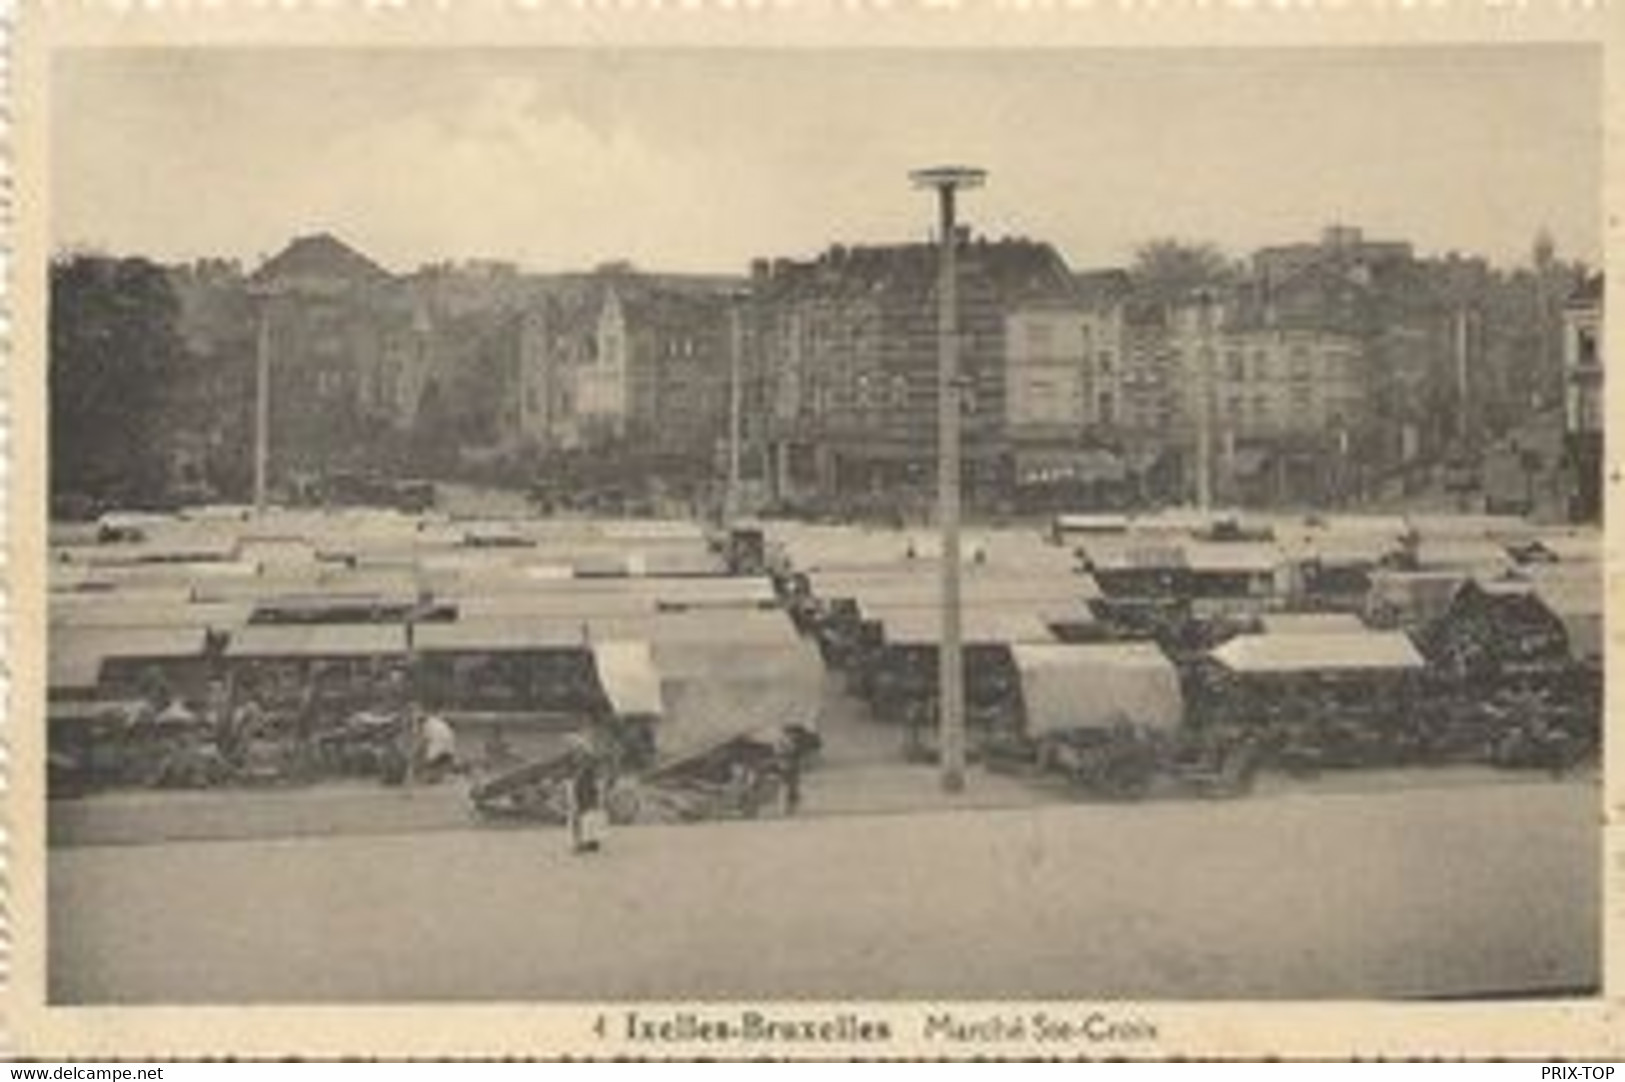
(262, 402)
(946, 181)
(1204, 405)
(736, 348)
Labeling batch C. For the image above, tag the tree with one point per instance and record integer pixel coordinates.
(1167, 271)
(113, 350)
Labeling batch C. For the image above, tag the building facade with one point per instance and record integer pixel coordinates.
(847, 347)
(1584, 403)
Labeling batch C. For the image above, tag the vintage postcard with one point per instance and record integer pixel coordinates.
(811, 529)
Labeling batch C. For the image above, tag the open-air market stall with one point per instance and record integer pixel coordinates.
(1230, 579)
(271, 550)
(73, 666)
(177, 550)
(1478, 557)
(726, 672)
(526, 667)
(117, 698)
(1410, 598)
(1329, 699)
(348, 608)
(331, 670)
(558, 605)
(265, 583)
(1180, 522)
(509, 684)
(66, 604)
(1135, 567)
(1110, 718)
(1508, 670)
(742, 715)
(737, 696)
(1331, 569)
(129, 662)
(1068, 529)
(900, 677)
(740, 592)
(1493, 631)
(117, 611)
(1576, 593)
(1096, 686)
(85, 743)
(1503, 529)
(1067, 616)
(174, 575)
(630, 681)
(1311, 623)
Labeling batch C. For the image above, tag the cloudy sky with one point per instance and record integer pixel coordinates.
(702, 160)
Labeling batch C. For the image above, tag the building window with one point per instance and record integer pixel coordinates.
(1301, 368)
(1303, 399)
(1040, 337)
(1235, 366)
(1261, 409)
(1108, 408)
(1261, 364)
(1104, 361)
(1232, 407)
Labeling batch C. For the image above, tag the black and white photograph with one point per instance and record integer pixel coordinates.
(623, 525)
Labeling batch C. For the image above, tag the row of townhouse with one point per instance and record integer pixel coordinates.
(1310, 373)
(1073, 383)
(480, 355)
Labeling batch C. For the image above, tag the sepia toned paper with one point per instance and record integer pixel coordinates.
(854, 937)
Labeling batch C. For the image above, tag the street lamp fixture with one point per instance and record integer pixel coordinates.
(947, 181)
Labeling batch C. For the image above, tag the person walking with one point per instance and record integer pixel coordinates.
(790, 753)
(586, 799)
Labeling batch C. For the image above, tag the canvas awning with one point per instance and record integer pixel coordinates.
(923, 627)
(1338, 652)
(318, 641)
(1312, 623)
(1056, 608)
(74, 655)
(765, 627)
(626, 672)
(517, 634)
(1414, 595)
(122, 613)
(541, 604)
(711, 591)
(1066, 686)
(72, 666)
(1463, 554)
(1232, 557)
(1341, 549)
(1575, 595)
